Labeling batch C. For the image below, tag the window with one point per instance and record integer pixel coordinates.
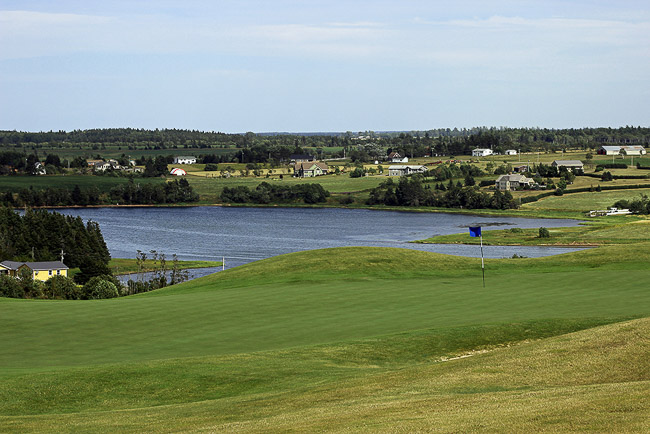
(50, 272)
(58, 272)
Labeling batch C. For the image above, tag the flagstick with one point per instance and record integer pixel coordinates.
(482, 262)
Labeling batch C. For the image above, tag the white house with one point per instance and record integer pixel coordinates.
(481, 152)
(184, 160)
(405, 170)
(511, 152)
(395, 157)
(512, 182)
(310, 169)
(633, 150)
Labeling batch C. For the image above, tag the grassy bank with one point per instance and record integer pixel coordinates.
(127, 266)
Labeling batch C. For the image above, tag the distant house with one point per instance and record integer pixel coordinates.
(92, 163)
(395, 157)
(569, 164)
(301, 158)
(40, 270)
(513, 182)
(310, 169)
(178, 172)
(633, 150)
(402, 170)
(511, 152)
(609, 150)
(102, 166)
(184, 160)
(481, 152)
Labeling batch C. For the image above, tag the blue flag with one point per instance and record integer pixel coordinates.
(475, 232)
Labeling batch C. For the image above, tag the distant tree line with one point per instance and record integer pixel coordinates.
(264, 148)
(129, 193)
(266, 193)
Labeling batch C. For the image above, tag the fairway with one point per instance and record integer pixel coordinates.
(296, 329)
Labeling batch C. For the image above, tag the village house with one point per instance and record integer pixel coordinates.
(395, 157)
(40, 270)
(569, 164)
(405, 170)
(481, 152)
(513, 182)
(184, 160)
(310, 169)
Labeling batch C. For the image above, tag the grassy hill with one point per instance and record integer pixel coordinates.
(342, 338)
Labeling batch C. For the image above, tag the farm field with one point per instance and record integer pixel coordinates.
(103, 183)
(343, 338)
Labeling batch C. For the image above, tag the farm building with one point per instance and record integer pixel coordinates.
(301, 158)
(609, 150)
(178, 172)
(481, 152)
(405, 170)
(633, 150)
(395, 157)
(513, 182)
(569, 164)
(511, 152)
(40, 270)
(309, 170)
(184, 160)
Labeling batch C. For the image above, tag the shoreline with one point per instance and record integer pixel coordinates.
(475, 212)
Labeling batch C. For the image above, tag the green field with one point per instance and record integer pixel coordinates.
(347, 338)
(103, 183)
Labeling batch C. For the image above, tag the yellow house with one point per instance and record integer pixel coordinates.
(40, 270)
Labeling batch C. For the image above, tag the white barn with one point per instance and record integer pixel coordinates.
(511, 152)
(633, 150)
(402, 170)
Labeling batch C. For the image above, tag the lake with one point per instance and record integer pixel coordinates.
(243, 235)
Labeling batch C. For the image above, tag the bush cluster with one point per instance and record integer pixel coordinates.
(266, 193)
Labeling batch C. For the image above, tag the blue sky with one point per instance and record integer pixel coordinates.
(244, 65)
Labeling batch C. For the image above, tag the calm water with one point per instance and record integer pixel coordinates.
(242, 235)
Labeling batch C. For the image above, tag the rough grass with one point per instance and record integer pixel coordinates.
(591, 380)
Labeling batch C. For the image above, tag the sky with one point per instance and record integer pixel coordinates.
(330, 65)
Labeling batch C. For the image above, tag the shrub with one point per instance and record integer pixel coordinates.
(97, 288)
(544, 233)
(357, 173)
(9, 287)
(61, 287)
